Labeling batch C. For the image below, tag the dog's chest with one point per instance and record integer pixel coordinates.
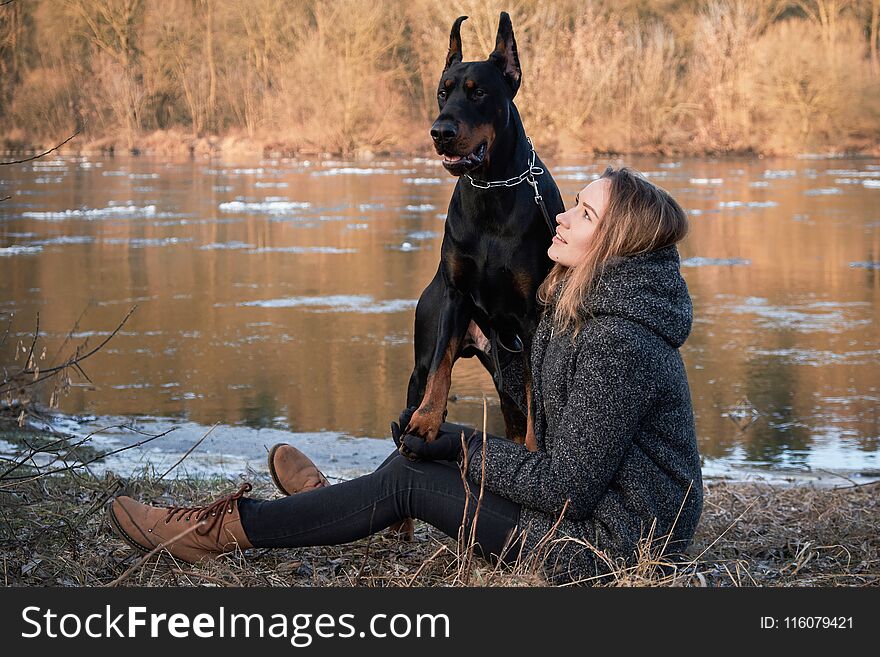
(487, 273)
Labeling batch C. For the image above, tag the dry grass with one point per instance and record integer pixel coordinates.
(790, 536)
(53, 533)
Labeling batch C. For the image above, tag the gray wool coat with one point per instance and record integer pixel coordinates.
(614, 427)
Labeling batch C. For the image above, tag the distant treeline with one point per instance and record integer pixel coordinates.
(765, 76)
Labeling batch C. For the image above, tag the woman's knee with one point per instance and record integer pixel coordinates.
(421, 488)
(397, 476)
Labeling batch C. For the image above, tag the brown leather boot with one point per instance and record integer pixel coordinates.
(217, 527)
(292, 471)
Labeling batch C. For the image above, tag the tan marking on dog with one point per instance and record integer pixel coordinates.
(426, 421)
(531, 441)
(478, 338)
(454, 268)
(484, 132)
(523, 283)
(470, 85)
(403, 529)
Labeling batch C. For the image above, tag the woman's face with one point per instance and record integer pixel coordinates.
(577, 225)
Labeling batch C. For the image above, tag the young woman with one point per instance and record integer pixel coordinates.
(617, 457)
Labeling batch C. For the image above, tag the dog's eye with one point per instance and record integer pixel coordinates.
(479, 93)
(441, 94)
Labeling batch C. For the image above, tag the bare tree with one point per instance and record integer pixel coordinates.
(827, 14)
(875, 35)
(111, 28)
(868, 12)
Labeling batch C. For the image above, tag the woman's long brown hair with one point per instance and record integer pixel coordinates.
(640, 218)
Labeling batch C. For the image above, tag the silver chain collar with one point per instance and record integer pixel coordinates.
(527, 175)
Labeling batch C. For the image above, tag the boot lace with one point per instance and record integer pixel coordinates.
(209, 515)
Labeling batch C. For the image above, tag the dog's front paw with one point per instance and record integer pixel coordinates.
(425, 423)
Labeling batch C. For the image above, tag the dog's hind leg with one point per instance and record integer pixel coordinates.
(514, 389)
(530, 441)
(514, 418)
(519, 426)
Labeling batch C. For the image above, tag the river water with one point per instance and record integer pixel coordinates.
(276, 298)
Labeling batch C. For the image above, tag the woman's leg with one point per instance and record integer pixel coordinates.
(387, 460)
(431, 491)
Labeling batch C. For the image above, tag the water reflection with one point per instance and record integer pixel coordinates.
(280, 294)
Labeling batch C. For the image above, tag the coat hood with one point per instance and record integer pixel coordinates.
(648, 289)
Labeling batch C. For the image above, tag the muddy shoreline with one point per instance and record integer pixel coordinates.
(178, 144)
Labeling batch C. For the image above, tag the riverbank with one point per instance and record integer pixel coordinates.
(178, 144)
(53, 533)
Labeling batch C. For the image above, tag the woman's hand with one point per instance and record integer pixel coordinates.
(397, 428)
(445, 447)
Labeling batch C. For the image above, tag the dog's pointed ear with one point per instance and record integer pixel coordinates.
(454, 54)
(505, 56)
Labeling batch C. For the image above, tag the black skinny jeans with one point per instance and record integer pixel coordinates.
(431, 491)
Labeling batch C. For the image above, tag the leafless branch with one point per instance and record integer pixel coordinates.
(158, 548)
(73, 329)
(6, 332)
(189, 451)
(37, 157)
(76, 466)
(48, 448)
(27, 361)
(15, 380)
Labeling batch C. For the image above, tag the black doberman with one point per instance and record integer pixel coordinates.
(482, 300)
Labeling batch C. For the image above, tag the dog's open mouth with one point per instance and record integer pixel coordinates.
(461, 164)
